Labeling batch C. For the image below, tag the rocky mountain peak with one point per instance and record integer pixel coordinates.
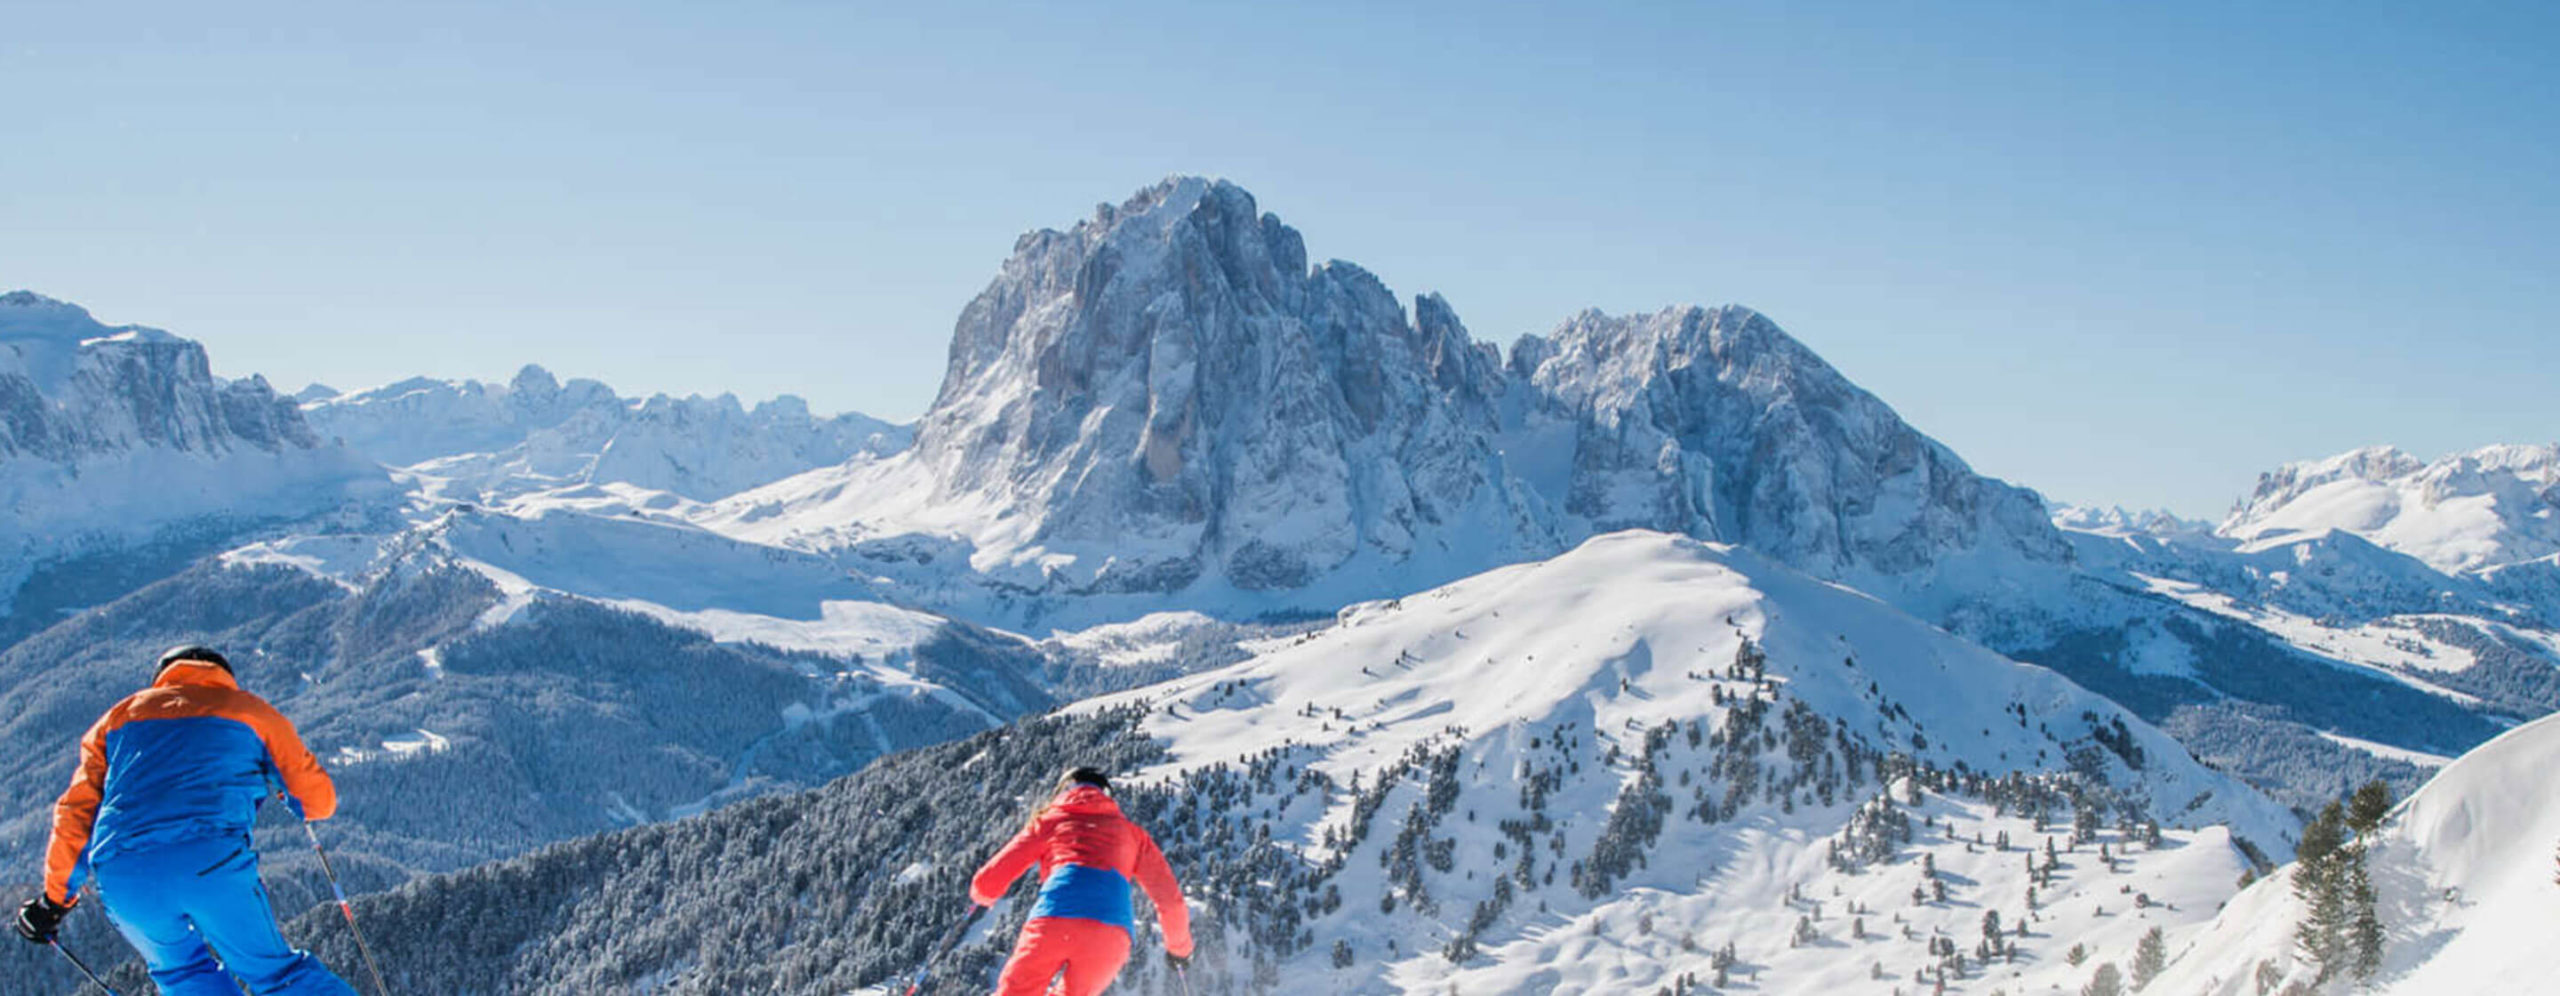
(1716, 423)
(80, 388)
(534, 384)
(1166, 397)
(1171, 376)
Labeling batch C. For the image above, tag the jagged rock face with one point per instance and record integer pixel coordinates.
(1168, 398)
(497, 440)
(113, 437)
(1170, 379)
(1714, 423)
(71, 387)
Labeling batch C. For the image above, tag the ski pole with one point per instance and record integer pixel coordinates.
(1183, 975)
(950, 940)
(346, 908)
(81, 965)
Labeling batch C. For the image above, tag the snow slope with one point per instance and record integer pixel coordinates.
(1580, 672)
(2463, 875)
(1538, 644)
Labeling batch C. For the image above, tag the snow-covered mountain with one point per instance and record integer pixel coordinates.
(1167, 398)
(117, 443)
(1715, 423)
(1649, 762)
(2491, 507)
(1647, 650)
(2463, 883)
(2116, 520)
(483, 678)
(478, 441)
(1166, 408)
(1167, 402)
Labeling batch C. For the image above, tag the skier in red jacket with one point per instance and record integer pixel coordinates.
(1088, 855)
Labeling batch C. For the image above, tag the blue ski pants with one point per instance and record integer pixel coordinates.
(181, 903)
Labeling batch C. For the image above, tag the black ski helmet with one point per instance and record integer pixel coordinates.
(1084, 776)
(191, 652)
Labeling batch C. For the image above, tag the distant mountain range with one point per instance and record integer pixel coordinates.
(489, 441)
(1167, 452)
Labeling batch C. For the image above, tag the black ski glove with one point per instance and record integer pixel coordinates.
(38, 918)
(1176, 962)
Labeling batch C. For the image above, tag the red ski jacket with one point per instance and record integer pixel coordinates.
(1088, 855)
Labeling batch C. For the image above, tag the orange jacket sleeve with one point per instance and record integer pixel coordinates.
(74, 816)
(1156, 876)
(301, 772)
(1017, 856)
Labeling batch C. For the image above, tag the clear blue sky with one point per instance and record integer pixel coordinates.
(2122, 253)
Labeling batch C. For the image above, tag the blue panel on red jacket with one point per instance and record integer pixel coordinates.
(1087, 894)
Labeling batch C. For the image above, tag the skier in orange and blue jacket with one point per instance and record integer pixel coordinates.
(1088, 854)
(157, 818)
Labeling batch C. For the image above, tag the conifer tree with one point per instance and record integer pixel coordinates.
(2364, 936)
(2107, 981)
(2319, 880)
(2149, 957)
(2367, 807)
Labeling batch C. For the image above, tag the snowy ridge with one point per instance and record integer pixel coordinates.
(603, 550)
(2490, 507)
(478, 441)
(1579, 675)
(2462, 873)
(1620, 634)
